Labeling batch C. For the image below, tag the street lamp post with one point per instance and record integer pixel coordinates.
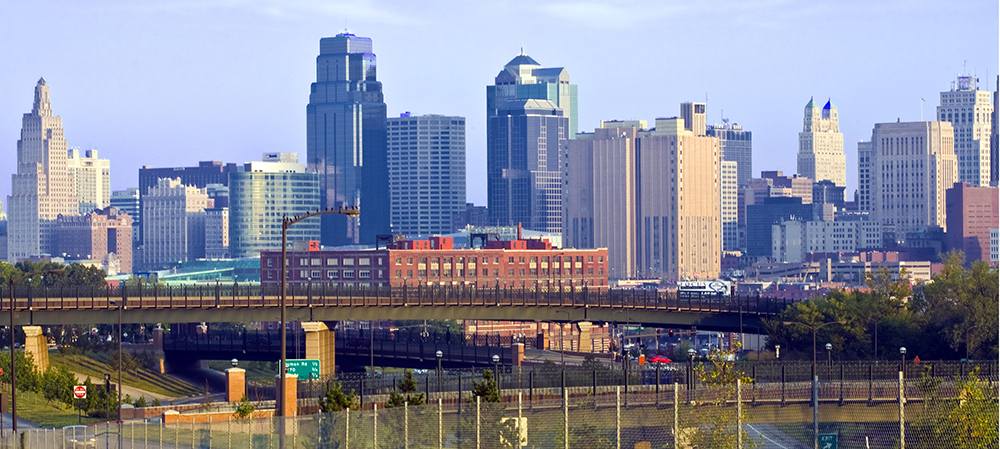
(690, 367)
(120, 306)
(829, 355)
(287, 222)
(13, 367)
(496, 371)
(562, 349)
(902, 359)
(815, 378)
(439, 355)
(967, 340)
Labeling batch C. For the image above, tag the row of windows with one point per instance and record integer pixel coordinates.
(496, 272)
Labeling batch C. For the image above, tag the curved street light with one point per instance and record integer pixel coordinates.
(287, 222)
(815, 378)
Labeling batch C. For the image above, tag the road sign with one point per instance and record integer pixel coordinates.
(827, 441)
(80, 392)
(303, 368)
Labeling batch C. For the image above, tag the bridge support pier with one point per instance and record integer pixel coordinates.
(36, 344)
(586, 341)
(517, 354)
(320, 345)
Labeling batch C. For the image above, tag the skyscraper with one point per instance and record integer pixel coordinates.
(346, 140)
(912, 166)
(173, 219)
(736, 144)
(970, 112)
(41, 189)
(91, 180)
(530, 111)
(821, 145)
(995, 138)
(728, 197)
(426, 173)
(694, 118)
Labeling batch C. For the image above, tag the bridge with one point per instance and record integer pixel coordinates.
(314, 305)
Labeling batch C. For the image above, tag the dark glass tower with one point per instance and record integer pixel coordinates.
(346, 140)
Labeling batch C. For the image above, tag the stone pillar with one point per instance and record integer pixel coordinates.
(158, 349)
(517, 354)
(320, 345)
(585, 342)
(291, 402)
(36, 345)
(236, 384)
(542, 341)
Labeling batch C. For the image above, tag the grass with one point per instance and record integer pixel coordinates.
(33, 407)
(150, 381)
(259, 371)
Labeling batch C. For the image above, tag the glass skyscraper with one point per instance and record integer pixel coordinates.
(346, 140)
(530, 112)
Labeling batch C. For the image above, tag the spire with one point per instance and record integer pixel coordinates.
(811, 104)
(42, 106)
(829, 105)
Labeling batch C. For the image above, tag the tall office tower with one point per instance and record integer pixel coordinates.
(995, 138)
(91, 179)
(3, 238)
(821, 145)
(103, 234)
(913, 164)
(205, 173)
(128, 201)
(41, 189)
(971, 213)
(865, 160)
(346, 141)
(426, 173)
(679, 229)
(736, 144)
(217, 233)
(260, 195)
(173, 221)
(530, 111)
(970, 112)
(694, 118)
(599, 208)
(729, 214)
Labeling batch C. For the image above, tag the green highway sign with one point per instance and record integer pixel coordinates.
(827, 441)
(303, 368)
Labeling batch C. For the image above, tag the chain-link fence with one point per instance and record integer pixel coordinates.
(914, 412)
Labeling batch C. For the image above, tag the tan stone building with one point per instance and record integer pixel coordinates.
(91, 178)
(912, 165)
(970, 112)
(41, 189)
(652, 197)
(173, 221)
(97, 234)
(821, 145)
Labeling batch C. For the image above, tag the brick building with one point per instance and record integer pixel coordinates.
(512, 264)
(971, 213)
(94, 235)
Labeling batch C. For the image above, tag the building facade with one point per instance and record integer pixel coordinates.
(91, 179)
(127, 201)
(736, 145)
(530, 111)
(200, 176)
(530, 264)
(970, 213)
(772, 210)
(260, 195)
(42, 188)
(426, 173)
(821, 145)
(173, 223)
(217, 233)
(826, 192)
(104, 234)
(970, 112)
(729, 204)
(912, 165)
(346, 140)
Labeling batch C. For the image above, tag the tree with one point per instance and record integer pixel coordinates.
(244, 409)
(713, 420)
(405, 392)
(495, 430)
(334, 399)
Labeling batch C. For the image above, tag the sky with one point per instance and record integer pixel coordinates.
(171, 83)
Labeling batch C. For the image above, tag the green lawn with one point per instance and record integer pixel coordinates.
(164, 384)
(33, 407)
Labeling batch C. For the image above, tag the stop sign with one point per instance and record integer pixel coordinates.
(80, 392)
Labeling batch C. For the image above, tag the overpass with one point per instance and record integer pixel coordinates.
(316, 304)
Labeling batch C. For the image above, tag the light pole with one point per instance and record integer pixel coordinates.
(234, 362)
(815, 378)
(829, 355)
(496, 371)
(902, 359)
(13, 367)
(814, 329)
(120, 306)
(562, 348)
(287, 222)
(690, 367)
(439, 355)
(967, 340)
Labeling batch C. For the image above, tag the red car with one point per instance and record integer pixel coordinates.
(659, 359)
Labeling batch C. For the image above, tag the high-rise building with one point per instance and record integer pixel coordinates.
(103, 234)
(346, 140)
(970, 112)
(41, 189)
(127, 201)
(91, 179)
(217, 233)
(426, 173)
(530, 111)
(728, 195)
(260, 195)
(205, 173)
(912, 164)
(760, 218)
(772, 184)
(471, 215)
(821, 145)
(995, 138)
(865, 160)
(736, 144)
(826, 192)
(694, 117)
(173, 221)
(971, 213)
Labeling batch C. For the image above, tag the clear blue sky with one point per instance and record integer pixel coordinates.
(169, 83)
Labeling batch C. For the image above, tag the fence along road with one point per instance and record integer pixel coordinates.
(322, 302)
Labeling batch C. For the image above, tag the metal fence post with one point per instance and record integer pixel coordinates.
(406, 425)
(739, 413)
(347, 428)
(440, 425)
(478, 402)
(676, 414)
(815, 401)
(374, 425)
(618, 417)
(902, 420)
(519, 417)
(565, 417)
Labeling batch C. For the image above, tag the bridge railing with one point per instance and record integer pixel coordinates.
(246, 295)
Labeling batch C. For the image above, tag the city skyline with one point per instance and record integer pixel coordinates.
(208, 56)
